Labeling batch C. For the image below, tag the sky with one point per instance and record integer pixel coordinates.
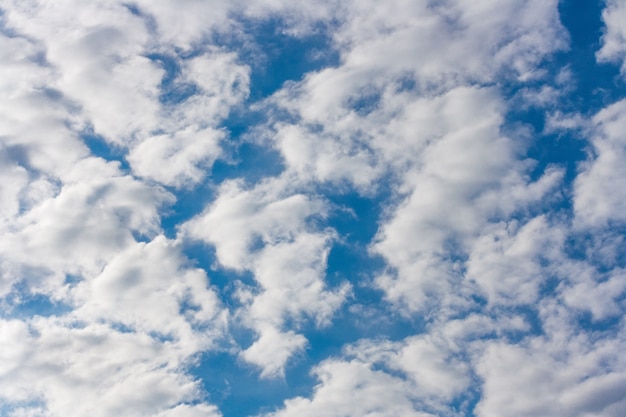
(334, 208)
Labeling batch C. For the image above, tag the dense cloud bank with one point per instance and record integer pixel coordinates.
(433, 189)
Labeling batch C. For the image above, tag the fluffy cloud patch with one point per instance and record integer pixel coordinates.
(599, 199)
(82, 227)
(566, 374)
(420, 203)
(614, 38)
(353, 388)
(111, 371)
(270, 232)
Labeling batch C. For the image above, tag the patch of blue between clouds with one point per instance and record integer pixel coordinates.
(278, 57)
(598, 84)
(351, 261)
(21, 303)
(236, 389)
(252, 163)
(609, 325)
(100, 148)
(366, 102)
(10, 409)
(173, 90)
(583, 246)
(188, 204)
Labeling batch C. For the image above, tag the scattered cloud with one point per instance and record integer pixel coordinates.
(453, 165)
(598, 199)
(614, 37)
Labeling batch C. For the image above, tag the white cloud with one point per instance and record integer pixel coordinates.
(110, 372)
(429, 362)
(507, 260)
(592, 291)
(355, 119)
(149, 288)
(292, 289)
(273, 349)
(614, 37)
(269, 231)
(177, 159)
(421, 375)
(96, 52)
(93, 216)
(33, 120)
(326, 158)
(465, 174)
(600, 189)
(238, 216)
(191, 142)
(432, 368)
(196, 410)
(353, 389)
(413, 104)
(291, 277)
(125, 347)
(560, 122)
(188, 23)
(185, 24)
(566, 373)
(471, 41)
(358, 121)
(87, 228)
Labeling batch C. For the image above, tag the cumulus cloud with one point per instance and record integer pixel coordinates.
(127, 137)
(508, 262)
(149, 288)
(421, 375)
(599, 198)
(127, 344)
(111, 372)
(238, 216)
(614, 38)
(104, 63)
(269, 231)
(82, 227)
(566, 373)
(96, 53)
(467, 173)
(356, 118)
(353, 388)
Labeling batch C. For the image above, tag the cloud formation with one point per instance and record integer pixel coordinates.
(419, 205)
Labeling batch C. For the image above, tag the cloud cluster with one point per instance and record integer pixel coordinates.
(128, 312)
(614, 38)
(472, 231)
(599, 198)
(75, 369)
(507, 264)
(270, 231)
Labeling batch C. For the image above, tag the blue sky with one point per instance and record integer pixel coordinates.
(277, 209)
